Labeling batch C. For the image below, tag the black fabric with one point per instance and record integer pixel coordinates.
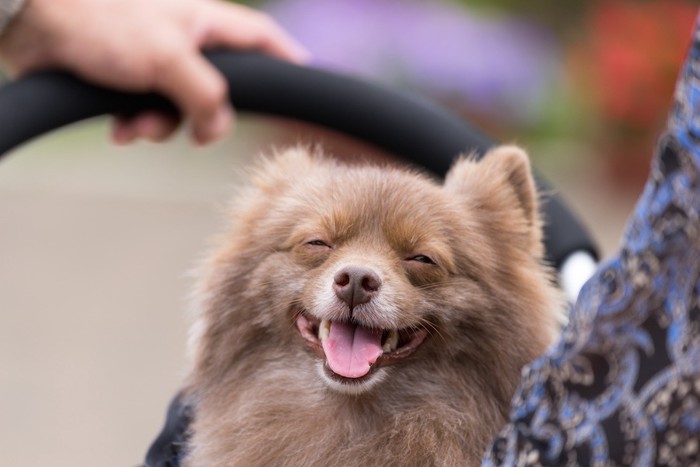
(169, 448)
(402, 124)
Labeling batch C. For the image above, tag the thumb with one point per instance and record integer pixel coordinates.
(240, 27)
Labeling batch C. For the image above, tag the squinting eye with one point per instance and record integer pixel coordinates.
(318, 243)
(422, 259)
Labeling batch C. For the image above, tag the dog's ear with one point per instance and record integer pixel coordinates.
(501, 184)
(273, 174)
(514, 164)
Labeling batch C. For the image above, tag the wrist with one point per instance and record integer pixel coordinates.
(8, 10)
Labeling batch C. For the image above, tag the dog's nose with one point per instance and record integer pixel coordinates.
(356, 285)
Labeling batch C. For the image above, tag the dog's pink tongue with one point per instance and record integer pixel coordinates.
(351, 349)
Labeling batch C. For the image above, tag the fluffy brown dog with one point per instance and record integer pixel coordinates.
(369, 316)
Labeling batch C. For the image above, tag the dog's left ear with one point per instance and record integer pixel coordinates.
(501, 184)
(514, 163)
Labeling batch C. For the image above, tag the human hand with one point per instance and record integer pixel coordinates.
(142, 46)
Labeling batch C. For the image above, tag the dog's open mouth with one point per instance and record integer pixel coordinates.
(352, 351)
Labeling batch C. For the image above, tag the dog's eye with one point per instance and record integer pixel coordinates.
(318, 243)
(422, 259)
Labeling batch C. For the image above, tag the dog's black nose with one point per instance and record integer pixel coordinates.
(356, 285)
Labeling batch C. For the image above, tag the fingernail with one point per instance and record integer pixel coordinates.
(122, 134)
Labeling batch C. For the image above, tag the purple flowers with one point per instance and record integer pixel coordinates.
(492, 65)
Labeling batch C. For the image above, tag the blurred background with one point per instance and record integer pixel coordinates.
(96, 241)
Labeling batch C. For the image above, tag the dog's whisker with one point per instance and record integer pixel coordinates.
(439, 285)
(431, 328)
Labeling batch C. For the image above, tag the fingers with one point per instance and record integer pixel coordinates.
(152, 126)
(176, 68)
(240, 27)
(199, 90)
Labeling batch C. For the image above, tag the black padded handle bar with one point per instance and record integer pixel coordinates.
(401, 124)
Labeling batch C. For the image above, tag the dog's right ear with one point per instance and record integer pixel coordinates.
(274, 173)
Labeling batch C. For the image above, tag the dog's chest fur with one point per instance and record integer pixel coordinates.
(284, 419)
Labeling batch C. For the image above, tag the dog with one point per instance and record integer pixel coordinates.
(366, 315)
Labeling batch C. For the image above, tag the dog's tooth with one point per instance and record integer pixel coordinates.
(324, 329)
(391, 342)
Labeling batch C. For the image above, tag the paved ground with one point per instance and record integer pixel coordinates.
(95, 244)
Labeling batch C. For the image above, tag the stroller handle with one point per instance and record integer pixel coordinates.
(407, 126)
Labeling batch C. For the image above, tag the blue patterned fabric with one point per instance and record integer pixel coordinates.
(622, 386)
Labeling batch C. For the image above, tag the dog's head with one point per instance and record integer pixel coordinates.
(370, 267)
